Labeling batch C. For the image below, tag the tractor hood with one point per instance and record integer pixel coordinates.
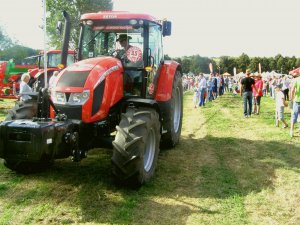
(87, 89)
(87, 74)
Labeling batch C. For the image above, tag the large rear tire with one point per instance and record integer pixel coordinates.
(174, 114)
(136, 146)
(23, 110)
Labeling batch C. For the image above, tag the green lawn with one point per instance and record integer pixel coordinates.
(5, 104)
(226, 170)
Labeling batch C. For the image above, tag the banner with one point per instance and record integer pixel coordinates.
(211, 68)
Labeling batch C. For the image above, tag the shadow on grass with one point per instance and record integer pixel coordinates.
(211, 167)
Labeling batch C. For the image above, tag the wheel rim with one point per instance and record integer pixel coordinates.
(149, 151)
(177, 110)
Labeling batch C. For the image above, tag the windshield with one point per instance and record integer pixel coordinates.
(122, 39)
(55, 58)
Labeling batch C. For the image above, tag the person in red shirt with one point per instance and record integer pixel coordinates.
(257, 94)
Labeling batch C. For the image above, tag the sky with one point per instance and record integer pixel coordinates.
(209, 28)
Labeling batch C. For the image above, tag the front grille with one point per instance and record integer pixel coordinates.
(72, 112)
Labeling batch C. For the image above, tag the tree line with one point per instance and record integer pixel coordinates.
(198, 64)
(11, 49)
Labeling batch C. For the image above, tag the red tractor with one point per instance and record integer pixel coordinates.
(54, 58)
(10, 73)
(129, 99)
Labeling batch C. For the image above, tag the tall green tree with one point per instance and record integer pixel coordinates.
(280, 64)
(17, 53)
(5, 41)
(253, 66)
(75, 8)
(227, 64)
(243, 62)
(292, 62)
(185, 64)
(272, 64)
(297, 63)
(265, 64)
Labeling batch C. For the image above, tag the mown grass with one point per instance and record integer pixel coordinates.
(5, 104)
(225, 170)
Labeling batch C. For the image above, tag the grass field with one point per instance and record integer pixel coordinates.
(5, 104)
(226, 170)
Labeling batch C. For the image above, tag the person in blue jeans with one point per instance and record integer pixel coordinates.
(202, 89)
(246, 86)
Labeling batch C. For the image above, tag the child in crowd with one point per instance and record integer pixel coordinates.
(280, 104)
(196, 95)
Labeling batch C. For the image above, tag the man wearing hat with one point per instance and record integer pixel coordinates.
(246, 86)
(124, 41)
(295, 97)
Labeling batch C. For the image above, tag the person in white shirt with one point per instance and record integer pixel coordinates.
(280, 104)
(202, 89)
(285, 87)
(24, 87)
(52, 80)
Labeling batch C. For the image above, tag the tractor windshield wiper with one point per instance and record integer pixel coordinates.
(93, 39)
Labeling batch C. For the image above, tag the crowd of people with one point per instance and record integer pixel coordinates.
(284, 89)
(208, 88)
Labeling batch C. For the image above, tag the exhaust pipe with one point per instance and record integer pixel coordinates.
(66, 39)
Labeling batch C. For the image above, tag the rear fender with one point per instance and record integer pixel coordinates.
(164, 85)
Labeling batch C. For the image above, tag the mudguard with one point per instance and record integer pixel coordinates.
(163, 91)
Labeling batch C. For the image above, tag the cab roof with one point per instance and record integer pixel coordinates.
(104, 15)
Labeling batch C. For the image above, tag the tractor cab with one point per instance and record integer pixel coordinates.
(135, 39)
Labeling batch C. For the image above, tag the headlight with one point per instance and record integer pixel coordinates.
(79, 98)
(59, 97)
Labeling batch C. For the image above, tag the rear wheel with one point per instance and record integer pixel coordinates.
(136, 146)
(174, 114)
(23, 110)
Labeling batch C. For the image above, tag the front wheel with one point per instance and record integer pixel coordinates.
(136, 146)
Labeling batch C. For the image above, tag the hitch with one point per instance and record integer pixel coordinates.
(72, 139)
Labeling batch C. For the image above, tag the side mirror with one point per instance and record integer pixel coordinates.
(167, 27)
(59, 26)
